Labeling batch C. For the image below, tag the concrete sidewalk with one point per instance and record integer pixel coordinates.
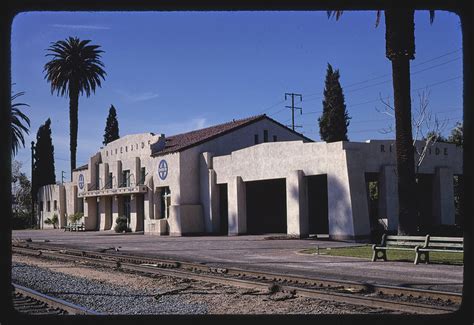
(257, 253)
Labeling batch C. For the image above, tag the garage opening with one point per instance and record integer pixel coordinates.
(223, 210)
(266, 206)
(424, 201)
(318, 204)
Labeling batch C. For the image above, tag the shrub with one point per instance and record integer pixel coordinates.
(74, 218)
(122, 224)
(21, 220)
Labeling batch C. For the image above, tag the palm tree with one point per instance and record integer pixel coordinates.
(400, 49)
(18, 127)
(75, 68)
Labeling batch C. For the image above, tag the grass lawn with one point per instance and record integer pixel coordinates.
(365, 252)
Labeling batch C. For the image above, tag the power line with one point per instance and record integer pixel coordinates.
(266, 109)
(386, 81)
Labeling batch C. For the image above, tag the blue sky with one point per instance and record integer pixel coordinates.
(171, 72)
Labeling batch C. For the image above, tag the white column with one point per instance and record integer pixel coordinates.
(237, 206)
(297, 204)
(388, 196)
(443, 196)
(115, 209)
(133, 212)
(214, 201)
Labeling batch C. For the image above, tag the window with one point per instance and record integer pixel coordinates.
(265, 135)
(165, 201)
(80, 205)
(109, 181)
(275, 138)
(48, 206)
(41, 206)
(126, 178)
(256, 138)
(142, 176)
(55, 205)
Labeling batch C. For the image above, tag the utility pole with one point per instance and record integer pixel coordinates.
(292, 107)
(32, 190)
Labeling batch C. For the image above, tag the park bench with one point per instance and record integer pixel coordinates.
(421, 245)
(74, 227)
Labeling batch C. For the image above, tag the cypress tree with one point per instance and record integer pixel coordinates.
(334, 120)
(43, 169)
(111, 126)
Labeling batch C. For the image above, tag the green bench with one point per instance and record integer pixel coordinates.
(74, 227)
(421, 245)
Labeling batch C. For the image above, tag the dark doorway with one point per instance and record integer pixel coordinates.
(318, 204)
(372, 190)
(223, 210)
(266, 206)
(424, 201)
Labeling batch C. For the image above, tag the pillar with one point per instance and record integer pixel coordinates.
(297, 204)
(388, 196)
(237, 205)
(214, 201)
(443, 196)
(116, 208)
(105, 213)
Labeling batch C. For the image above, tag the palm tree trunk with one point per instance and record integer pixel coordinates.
(404, 146)
(73, 123)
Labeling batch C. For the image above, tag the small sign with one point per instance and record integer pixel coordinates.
(81, 181)
(163, 169)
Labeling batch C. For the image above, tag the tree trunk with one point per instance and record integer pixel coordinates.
(404, 147)
(400, 49)
(73, 123)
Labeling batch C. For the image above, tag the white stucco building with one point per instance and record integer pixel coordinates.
(249, 176)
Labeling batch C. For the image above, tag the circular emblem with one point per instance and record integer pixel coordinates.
(81, 181)
(163, 169)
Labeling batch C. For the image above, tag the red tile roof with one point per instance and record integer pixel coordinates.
(184, 141)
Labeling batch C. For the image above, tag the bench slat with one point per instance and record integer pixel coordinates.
(447, 239)
(404, 243)
(406, 237)
(395, 248)
(445, 245)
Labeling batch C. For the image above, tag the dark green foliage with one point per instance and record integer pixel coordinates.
(75, 68)
(457, 135)
(76, 217)
(122, 224)
(334, 121)
(111, 127)
(43, 170)
(434, 136)
(21, 198)
(18, 124)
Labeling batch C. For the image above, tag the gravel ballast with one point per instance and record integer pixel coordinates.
(99, 296)
(114, 292)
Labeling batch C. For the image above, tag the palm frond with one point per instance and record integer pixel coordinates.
(19, 123)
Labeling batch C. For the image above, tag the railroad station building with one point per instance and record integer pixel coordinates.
(250, 176)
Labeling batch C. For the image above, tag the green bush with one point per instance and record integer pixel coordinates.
(22, 220)
(74, 218)
(121, 224)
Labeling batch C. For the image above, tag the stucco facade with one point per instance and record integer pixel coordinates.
(213, 180)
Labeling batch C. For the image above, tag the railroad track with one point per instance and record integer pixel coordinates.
(405, 300)
(28, 301)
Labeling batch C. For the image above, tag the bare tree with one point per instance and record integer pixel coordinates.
(428, 128)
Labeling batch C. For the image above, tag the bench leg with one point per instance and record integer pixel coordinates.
(376, 255)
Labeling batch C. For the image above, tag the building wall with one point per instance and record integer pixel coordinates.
(51, 193)
(344, 163)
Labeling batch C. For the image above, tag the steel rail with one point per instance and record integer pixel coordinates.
(50, 303)
(338, 285)
(174, 269)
